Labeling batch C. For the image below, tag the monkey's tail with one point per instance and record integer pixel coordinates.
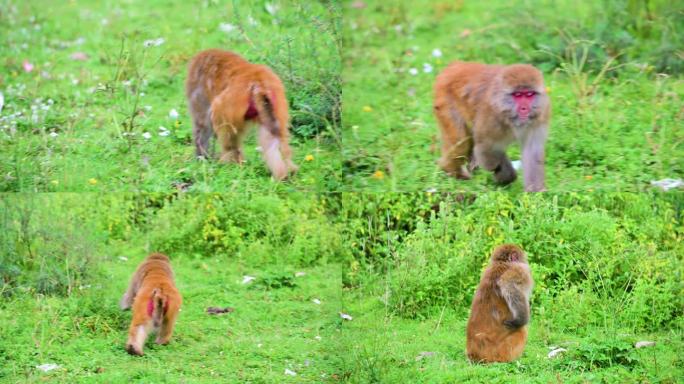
(264, 103)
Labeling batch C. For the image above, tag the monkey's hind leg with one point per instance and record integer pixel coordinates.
(166, 330)
(457, 143)
(137, 334)
(287, 156)
(272, 150)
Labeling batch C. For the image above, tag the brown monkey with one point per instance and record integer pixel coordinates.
(226, 93)
(481, 109)
(155, 301)
(497, 329)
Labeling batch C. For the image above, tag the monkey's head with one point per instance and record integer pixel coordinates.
(523, 91)
(509, 253)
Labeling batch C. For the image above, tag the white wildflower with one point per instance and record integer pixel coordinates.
(345, 316)
(147, 135)
(427, 68)
(271, 8)
(642, 344)
(667, 184)
(227, 27)
(247, 279)
(154, 42)
(413, 71)
(436, 52)
(290, 373)
(173, 114)
(47, 367)
(556, 352)
(316, 301)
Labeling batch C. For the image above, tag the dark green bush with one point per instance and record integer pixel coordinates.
(257, 227)
(47, 244)
(612, 250)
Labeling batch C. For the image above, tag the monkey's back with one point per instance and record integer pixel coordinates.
(155, 272)
(214, 70)
(487, 338)
(464, 85)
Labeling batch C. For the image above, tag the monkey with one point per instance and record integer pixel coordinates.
(497, 327)
(481, 109)
(155, 301)
(226, 94)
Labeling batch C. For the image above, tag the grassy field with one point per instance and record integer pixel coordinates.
(89, 87)
(613, 70)
(607, 269)
(365, 262)
(63, 276)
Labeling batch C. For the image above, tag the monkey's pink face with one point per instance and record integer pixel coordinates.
(524, 100)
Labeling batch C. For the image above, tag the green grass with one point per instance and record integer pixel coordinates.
(76, 253)
(605, 249)
(610, 131)
(607, 270)
(87, 133)
(269, 331)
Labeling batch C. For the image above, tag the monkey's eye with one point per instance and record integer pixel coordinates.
(517, 94)
(530, 94)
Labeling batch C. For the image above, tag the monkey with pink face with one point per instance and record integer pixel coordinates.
(481, 109)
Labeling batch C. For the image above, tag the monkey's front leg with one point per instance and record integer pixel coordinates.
(533, 159)
(495, 160)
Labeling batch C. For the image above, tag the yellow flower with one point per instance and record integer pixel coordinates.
(308, 158)
(92, 181)
(588, 177)
(378, 175)
(177, 124)
(548, 89)
(54, 182)
(367, 108)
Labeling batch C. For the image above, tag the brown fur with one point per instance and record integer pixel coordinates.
(226, 93)
(478, 120)
(497, 328)
(151, 288)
